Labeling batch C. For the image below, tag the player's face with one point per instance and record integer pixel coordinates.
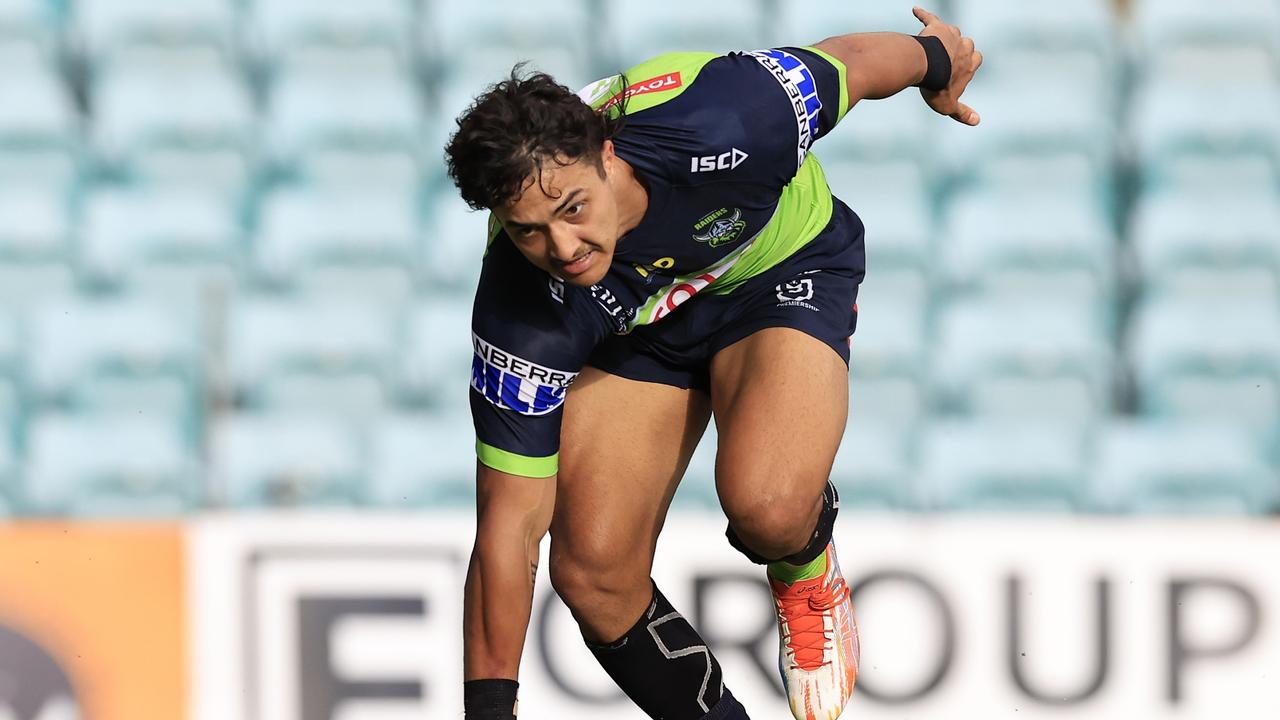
(566, 220)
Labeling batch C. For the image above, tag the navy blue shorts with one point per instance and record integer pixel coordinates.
(814, 291)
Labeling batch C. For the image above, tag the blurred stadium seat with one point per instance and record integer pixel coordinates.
(1208, 357)
(9, 475)
(325, 355)
(1188, 467)
(206, 114)
(1163, 25)
(182, 242)
(282, 28)
(107, 27)
(436, 355)
(1002, 465)
(416, 461)
(799, 24)
(343, 242)
(112, 465)
(1223, 242)
(1008, 356)
(640, 29)
(127, 356)
(286, 460)
(1042, 243)
(874, 468)
(349, 105)
(888, 361)
(35, 245)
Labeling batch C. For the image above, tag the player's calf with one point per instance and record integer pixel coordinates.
(666, 668)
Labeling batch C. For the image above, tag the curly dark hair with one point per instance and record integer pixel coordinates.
(516, 126)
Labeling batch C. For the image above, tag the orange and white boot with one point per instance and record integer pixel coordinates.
(818, 641)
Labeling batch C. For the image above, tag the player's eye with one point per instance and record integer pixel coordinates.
(574, 209)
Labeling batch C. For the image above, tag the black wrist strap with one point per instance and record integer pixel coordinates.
(938, 74)
(489, 699)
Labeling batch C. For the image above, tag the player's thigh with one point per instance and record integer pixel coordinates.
(781, 398)
(624, 445)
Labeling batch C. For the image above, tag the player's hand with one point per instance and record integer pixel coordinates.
(965, 61)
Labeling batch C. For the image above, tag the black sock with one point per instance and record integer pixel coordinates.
(666, 668)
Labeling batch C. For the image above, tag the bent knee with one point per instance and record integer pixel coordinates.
(585, 576)
(775, 519)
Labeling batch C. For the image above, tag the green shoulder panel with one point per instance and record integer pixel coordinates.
(650, 83)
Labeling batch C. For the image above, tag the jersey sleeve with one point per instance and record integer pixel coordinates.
(761, 112)
(531, 335)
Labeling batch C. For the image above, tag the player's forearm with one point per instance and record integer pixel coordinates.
(498, 599)
(878, 65)
(513, 513)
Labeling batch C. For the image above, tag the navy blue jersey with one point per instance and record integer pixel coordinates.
(722, 144)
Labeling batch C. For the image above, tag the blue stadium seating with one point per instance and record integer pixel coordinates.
(888, 361)
(350, 102)
(1008, 356)
(1010, 464)
(180, 242)
(1042, 25)
(1171, 24)
(1044, 243)
(285, 460)
(131, 356)
(436, 354)
(207, 107)
(282, 29)
(35, 245)
(324, 355)
(454, 243)
(233, 214)
(108, 27)
(1192, 467)
(894, 201)
(1208, 357)
(637, 30)
(415, 461)
(1223, 242)
(798, 24)
(873, 469)
(1172, 118)
(339, 241)
(114, 465)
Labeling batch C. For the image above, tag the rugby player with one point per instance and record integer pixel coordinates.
(663, 248)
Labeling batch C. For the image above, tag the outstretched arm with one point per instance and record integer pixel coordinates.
(883, 64)
(513, 514)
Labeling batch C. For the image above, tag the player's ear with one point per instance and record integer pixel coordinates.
(607, 157)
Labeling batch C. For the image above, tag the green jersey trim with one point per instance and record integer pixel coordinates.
(844, 79)
(650, 83)
(513, 464)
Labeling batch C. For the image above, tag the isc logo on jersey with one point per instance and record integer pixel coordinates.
(724, 161)
(514, 383)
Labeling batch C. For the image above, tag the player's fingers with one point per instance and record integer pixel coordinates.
(966, 115)
(966, 44)
(977, 60)
(924, 16)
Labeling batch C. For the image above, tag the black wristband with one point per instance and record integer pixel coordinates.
(489, 699)
(938, 74)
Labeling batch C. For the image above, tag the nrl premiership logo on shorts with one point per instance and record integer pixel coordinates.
(719, 227)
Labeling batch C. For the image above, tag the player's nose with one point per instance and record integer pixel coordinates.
(562, 244)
